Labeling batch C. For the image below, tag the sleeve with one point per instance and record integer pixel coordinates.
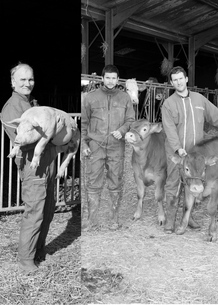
(85, 119)
(129, 118)
(170, 128)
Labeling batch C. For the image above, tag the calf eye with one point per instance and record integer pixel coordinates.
(187, 170)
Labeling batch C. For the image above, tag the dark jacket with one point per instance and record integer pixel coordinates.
(104, 111)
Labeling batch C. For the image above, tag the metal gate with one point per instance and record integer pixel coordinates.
(67, 188)
(150, 106)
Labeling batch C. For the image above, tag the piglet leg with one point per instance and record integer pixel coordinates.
(40, 146)
(14, 151)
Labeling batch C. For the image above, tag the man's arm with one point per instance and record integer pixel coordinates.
(170, 129)
(129, 118)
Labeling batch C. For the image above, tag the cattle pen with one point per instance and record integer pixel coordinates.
(139, 263)
(148, 105)
(67, 188)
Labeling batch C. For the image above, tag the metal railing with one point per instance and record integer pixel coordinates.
(67, 188)
(149, 106)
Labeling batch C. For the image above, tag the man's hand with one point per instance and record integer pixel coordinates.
(87, 152)
(182, 152)
(116, 134)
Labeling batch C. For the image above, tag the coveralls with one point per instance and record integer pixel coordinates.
(105, 111)
(37, 184)
(183, 121)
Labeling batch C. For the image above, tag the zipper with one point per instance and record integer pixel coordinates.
(109, 114)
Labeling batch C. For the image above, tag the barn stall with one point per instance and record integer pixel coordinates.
(139, 263)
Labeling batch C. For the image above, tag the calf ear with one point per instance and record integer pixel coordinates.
(15, 122)
(176, 159)
(211, 161)
(156, 127)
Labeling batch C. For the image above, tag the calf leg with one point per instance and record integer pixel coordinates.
(159, 194)
(192, 223)
(140, 195)
(212, 210)
(189, 201)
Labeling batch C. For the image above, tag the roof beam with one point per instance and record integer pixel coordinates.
(124, 11)
(210, 3)
(202, 38)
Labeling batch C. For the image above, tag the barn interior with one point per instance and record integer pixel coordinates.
(42, 34)
(138, 35)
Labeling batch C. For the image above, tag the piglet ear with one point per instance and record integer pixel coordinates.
(38, 128)
(34, 123)
(15, 122)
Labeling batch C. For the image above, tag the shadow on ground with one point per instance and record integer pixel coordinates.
(71, 233)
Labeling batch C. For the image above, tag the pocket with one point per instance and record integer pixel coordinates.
(199, 114)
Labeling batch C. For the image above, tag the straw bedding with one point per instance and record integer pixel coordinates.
(57, 280)
(149, 266)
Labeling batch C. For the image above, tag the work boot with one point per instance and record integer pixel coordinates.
(171, 209)
(93, 200)
(114, 203)
(27, 265)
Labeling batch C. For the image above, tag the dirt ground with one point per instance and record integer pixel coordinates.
(139, 263)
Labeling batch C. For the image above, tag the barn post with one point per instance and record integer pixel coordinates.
(109, 37)
(191, 61)
(85, 41)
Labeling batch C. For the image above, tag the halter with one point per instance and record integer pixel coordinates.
(184, 179)
(136, 131)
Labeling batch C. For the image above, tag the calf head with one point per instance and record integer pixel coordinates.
(193, 171)
(27, 131)
(132, 90)
(140, 130)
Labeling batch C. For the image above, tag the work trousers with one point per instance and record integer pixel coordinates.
(173, 177)
(39, 198)
(109, 157)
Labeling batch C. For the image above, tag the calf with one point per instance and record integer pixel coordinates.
(148, 162)
(199, 171)
(43, 124)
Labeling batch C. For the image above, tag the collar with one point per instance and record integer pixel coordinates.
(28, 99)
(183, 96)
(110, 91)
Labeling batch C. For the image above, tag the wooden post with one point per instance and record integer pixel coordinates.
(85, 41)
(109, 37)
(191, 63)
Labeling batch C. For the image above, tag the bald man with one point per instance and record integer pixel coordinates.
(37, 184)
